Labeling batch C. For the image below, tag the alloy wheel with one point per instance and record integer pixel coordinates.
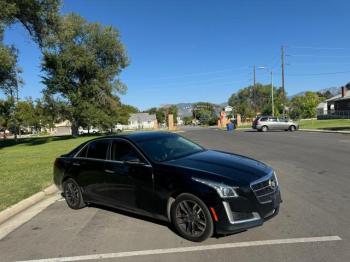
(190, 218)
(72, 194)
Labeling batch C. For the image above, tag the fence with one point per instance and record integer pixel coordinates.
(335, 114)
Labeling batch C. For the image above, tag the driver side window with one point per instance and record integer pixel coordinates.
(123, 151)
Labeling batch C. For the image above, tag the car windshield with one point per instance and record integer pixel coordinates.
(167, 148)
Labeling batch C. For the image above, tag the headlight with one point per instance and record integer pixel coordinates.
(223, 190)
(275, 177)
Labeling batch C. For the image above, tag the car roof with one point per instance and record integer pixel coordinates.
(138, 136)
(263, 116)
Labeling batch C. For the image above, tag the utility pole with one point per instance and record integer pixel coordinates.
(283, 87)
(254, 91)
(272, 102)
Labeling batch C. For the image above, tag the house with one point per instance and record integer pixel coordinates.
(322, 109)
(62, 128)
(337, 107)
(142, 121)
(179, 121)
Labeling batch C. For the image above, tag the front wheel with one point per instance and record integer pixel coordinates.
(72, 194)
(264, 128)
(292, 128)
(191, 218)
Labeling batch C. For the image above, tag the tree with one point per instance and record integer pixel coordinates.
(250, 101)
(39, 17)
(82, 65)
(187, 120)
(304, 106)
(172, 110)
(163, 112)
(124, 113)
(325, 95)
(205, 113)
(5, 114)
(50, 111)
(159, 112)
(25, 114)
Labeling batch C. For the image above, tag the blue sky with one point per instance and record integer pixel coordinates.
(201, 50)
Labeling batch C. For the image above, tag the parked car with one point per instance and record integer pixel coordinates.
(118, 128)
(168, 177)
(92, 130)
(265, 123)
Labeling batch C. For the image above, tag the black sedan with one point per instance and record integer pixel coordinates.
(165, 176)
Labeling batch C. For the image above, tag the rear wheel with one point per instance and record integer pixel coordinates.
(72, 194)
(292, 128)
(191, 218)
(264, 128)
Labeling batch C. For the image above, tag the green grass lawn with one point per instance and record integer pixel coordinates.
(332, 124)
(26, 166)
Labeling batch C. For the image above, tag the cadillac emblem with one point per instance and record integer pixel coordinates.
(272, 183)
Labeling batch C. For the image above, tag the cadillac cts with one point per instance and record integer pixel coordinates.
(165, 176)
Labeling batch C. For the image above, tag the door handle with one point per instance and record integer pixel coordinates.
(76, 164)
(109, 171)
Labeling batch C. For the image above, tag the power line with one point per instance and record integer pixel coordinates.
(319, 63)
(196, 86)
(320, 74)
(320, 56)
(197, 74)
(175, 83)
(318, 48)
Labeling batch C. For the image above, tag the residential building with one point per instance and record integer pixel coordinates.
(62, 128)
(337, 107)
(142, 121)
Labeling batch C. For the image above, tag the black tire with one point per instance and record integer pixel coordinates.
(292, 128)
(72, 194)
(191, 218)
(264, 128)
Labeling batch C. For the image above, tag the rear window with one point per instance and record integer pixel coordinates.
(83, 152)
(263, 119)
(98, 149)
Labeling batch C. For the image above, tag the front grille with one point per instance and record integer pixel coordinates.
(263, 189)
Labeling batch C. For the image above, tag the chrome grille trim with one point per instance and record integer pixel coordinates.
(260, 186)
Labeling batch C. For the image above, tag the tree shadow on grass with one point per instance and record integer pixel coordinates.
(340, 128)
(33, 141)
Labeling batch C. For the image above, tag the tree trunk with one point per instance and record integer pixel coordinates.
(15, 135)
(75, 128)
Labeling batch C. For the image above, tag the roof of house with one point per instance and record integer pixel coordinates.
(322, 105)
(142, 117)
(339, 97)
(65, 123)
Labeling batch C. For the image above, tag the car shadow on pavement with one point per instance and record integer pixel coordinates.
(137, 216)
(154, 220)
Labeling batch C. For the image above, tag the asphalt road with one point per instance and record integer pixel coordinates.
(314, 174)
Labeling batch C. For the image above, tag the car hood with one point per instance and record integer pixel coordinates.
(236, 168)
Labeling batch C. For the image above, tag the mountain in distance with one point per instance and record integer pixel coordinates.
(185, 109)
(335, 90)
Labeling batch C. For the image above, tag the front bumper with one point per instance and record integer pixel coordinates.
(245, 212)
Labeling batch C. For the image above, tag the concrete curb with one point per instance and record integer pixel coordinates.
(26, 203)
(324, 131)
